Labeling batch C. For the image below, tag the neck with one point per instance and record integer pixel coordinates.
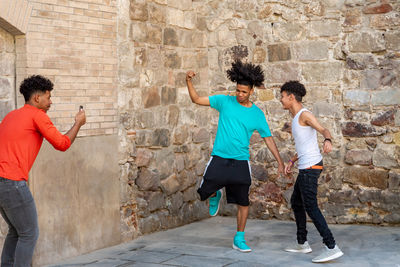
(296, 107)
(246, 104)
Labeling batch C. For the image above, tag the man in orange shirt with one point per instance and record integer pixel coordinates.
(21, 136)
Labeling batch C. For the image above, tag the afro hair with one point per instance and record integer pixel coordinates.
(34, 84)
(295, 88)
(246, 74)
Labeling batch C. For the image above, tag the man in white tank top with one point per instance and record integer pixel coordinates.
(304, 197)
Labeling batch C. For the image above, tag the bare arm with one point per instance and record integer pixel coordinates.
(200, 100)
(309, 119)
(80, 119)
(269, 141)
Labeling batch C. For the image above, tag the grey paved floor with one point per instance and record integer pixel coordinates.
(208, 243)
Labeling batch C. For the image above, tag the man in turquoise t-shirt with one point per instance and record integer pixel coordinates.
(229, 165)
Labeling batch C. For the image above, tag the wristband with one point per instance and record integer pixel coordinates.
(291, 161)
(328, 139)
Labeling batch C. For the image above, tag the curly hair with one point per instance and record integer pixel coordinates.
(295, 88)
(246, 74)
(34, 84)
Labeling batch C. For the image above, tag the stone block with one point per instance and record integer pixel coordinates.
(170, 185)
(265, 95)
(154, 34)
(157, 14)
(226, 37)
(175, 203)
(310, 50)
(397, 118)
(173, 115)
(138, 32)
(151, 97)
(383, 118)
(155, 200)
(168, 95)
(201, 135)
(259, 172)
(386, 97)
(360, 61)
(370, 196)
(394, 180)
(175, 17)
(358, 157)
(290, 31)
(149, 224)
(392, 39)
(154, 58)
(172, 60)
(322, 72)
(325, 28)
(366, 177)
(143, 157)
(5, 88)
(170, 37)
(355, 129)
(179, 162)
(396, 138)
(5, 108)
(199, 39)
(7, 64)
(377, 9)
(138, 11)
(180, 4)
(147, 180)
(278, 52)
(264, 156)
(265, 11)
(385, 21)
(282, 72)
(356, 97)
(374, 79)
(180, 135)
(352, 17)
(324, 109)
(385, 156)
(161, 137)
(366, 42)
(190, 194)
(144, 119)
(259, 55)
(143, 137)
(190, 20)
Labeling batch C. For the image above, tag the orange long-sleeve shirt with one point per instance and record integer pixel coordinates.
(21, 136)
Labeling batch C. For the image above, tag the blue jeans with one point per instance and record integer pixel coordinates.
(304, 199)
(18, 209)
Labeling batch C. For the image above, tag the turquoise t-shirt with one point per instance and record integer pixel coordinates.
(236, 124)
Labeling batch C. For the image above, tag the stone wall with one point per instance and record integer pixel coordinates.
(345, 52)
(7, 73)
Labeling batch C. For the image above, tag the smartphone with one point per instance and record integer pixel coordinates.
(80, 108)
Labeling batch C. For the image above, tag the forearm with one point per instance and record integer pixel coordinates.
(326, 134)
(269, 141)
(294, 158)
(73, 132)
(192, 92)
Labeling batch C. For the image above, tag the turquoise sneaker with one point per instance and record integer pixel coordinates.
(239, 243)
(214, 203)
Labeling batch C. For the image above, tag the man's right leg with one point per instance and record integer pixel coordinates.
(10, 243)
(22, 220)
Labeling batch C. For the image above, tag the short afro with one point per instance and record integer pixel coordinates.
(34, 84)
(246, 74)
(295, 88)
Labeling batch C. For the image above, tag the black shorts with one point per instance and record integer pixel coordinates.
(232, 174)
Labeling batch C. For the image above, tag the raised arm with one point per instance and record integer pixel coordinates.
(309, 119)
(200, 100)
(80, 119)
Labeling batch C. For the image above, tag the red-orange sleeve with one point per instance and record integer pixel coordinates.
(46, 128)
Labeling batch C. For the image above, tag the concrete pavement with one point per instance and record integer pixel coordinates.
(209, 243)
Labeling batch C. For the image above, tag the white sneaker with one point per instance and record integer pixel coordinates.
(329, 254)
(300, 248)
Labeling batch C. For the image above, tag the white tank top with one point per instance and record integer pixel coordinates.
(305, 138)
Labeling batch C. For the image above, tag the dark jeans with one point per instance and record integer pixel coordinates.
(304, 199)
(18, 209)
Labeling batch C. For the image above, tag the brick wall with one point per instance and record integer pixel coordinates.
(74, 44)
